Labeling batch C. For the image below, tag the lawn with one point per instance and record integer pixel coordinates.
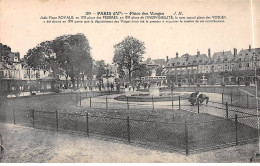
(159, 127)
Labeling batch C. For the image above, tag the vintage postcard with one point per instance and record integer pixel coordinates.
(137, 81)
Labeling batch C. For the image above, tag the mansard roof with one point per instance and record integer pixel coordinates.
(248, 54)
(159, 61)
(154, 61)
(224, 56)
(186, 60)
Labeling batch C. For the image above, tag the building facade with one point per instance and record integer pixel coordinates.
(15, 75)
(221, 68)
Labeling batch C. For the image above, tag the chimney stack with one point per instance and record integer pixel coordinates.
(167, 59)
(235, 51)
(177, 55)
(198, 53)
(209, 55)
(249, 47)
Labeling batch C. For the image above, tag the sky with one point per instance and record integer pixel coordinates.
(21, 27)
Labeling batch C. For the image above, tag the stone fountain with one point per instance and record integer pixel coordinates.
(203, 80)
(153, 79)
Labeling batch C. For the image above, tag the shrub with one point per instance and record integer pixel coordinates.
(57, 90)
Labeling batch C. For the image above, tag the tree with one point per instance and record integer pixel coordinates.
(99, 69)
(141, 71)
(159, 71)
(127, 55)
(43, 57)
(73, 54)
(4, 51)
(67, 55)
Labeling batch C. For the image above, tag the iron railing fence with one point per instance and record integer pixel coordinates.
(189, 132)
(242, 96)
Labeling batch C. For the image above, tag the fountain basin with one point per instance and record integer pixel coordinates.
(145, 97)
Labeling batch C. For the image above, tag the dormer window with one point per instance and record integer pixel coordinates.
(178, 63)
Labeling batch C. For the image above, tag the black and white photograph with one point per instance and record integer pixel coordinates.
(158, 81)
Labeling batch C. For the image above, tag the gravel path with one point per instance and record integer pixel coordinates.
(24, 144)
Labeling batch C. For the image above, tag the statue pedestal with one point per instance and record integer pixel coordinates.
(154, 90)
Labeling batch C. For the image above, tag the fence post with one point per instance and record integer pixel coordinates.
(14, 114)
(152, 103)
(231, 97)
(128, 129)
(87, 124)
(247, 101)
(172, 101)
(239, 96)
(222, 98)
(198, 108)
(57, 121)
(186, 138)
(179, 102)
(90, 102)
(173, 115)
(106, 103)
(79, 99)
(33, 117)
(236, 129)
(227, 110)
(127, 103)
